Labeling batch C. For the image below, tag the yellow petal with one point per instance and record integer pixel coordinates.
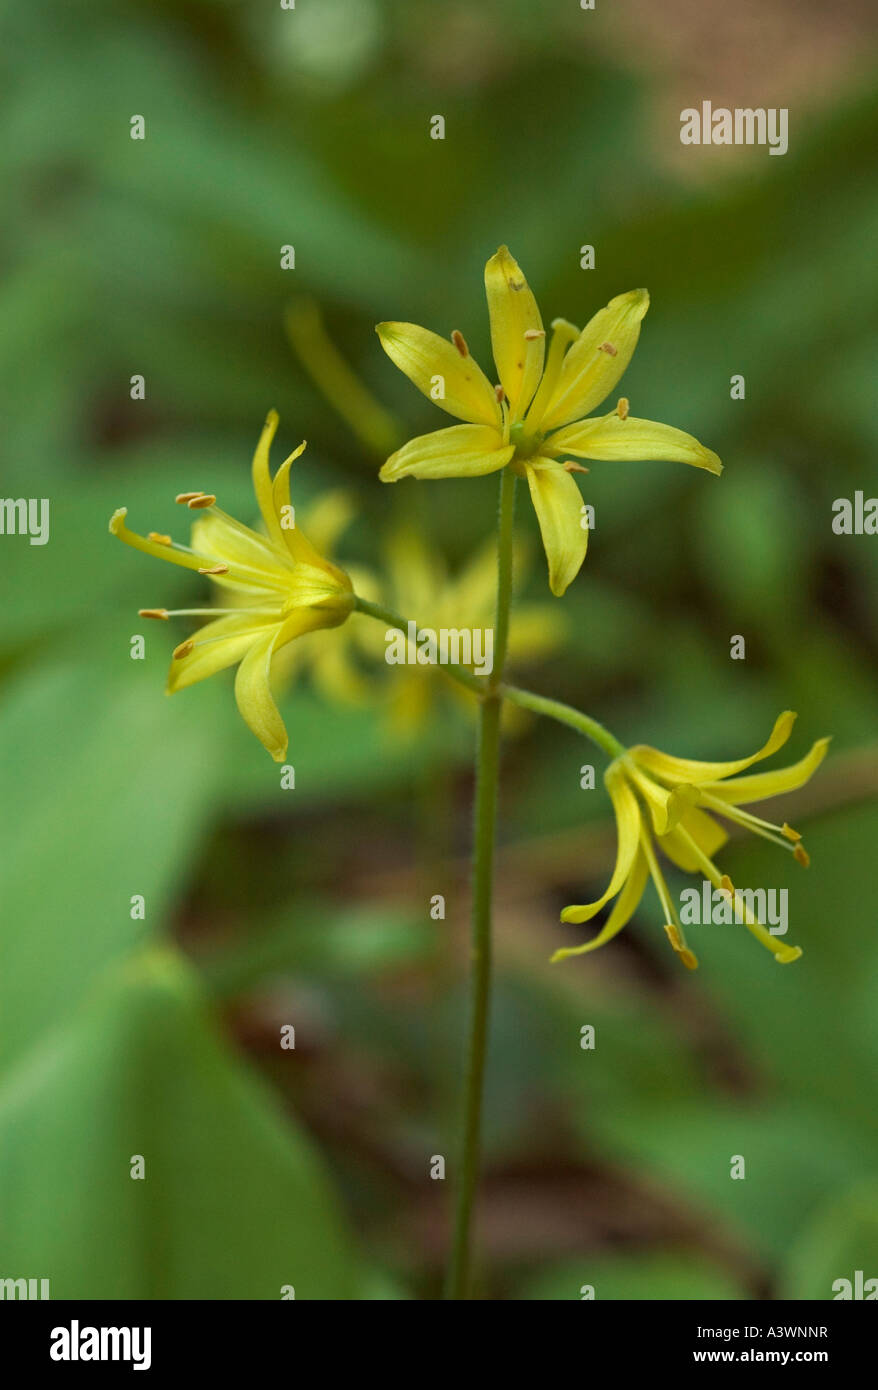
(624, 909)
(254, 697)
(250, 555)
(217, 645)
(293, 539)
(611, 437)
(558, 506)
(463, 451)
(760, 785)
(155, 548)
(465, 391)
(328, 516)
(336, 676)
(597, 359)
(261, 471)
(707, 833)
(627, 814)
(666, 806)
(689, 770)
(514, 314)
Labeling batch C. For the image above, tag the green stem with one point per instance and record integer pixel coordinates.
(565, 714)
(487, 770)
(397, 622)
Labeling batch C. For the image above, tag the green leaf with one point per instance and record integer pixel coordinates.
(644, 1276)
(110, 791)
(841, 1239)
(233, 1204)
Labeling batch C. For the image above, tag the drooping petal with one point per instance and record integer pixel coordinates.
(216, 646)
(558, 505)
(255, 700)
(517, 335)
(462, 390)
(611, 437)
(624, 909)
(676, 770)
(707, 834)
(463, 451)
(760, 785)
(597, 359)
(627, 814)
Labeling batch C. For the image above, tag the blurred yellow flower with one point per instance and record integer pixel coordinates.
(535, 415)
(419, 582)
(673, 803)
(278, 584)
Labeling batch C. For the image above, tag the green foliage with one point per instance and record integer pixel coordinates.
(162, 258)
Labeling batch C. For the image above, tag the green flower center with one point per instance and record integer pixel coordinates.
(527, 443)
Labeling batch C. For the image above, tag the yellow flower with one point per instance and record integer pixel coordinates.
(535, 415)
(673, 803)
(419, 582)
(282, 587)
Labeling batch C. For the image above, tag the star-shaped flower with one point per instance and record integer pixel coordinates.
(282, 588)
(535, 415)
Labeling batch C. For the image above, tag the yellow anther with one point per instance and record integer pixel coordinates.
(203, 499)
(183, 650)
(153, 613)
(187, 496)
(608, 347)
(572, 467)
(459, 342)
(687, 957)
(499, 394)
(158, 538)
(623, 407)
(727, 885)
(214, 569)
(532, 333)
(801, 856)
(790, 833)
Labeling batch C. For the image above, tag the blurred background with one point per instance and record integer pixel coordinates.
(160, 1036)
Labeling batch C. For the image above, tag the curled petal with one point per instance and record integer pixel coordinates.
(463, 451)
(597, 359)
(675, 770)
(611, 437)
(558, 505)
(627, 814)
(760, 785)
(423, 356)
(624, 909)
(517, 335)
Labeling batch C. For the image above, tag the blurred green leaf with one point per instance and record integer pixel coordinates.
(841, 1239)
(652, 1275)
(234, 1203)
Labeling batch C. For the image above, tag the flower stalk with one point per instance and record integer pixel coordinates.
(484, 836)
